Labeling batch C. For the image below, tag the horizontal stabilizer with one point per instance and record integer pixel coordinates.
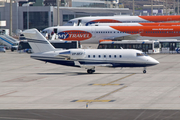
(65, 54)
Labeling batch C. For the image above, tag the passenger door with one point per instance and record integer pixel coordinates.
(93, 32)
(145, 48)
(172, 46)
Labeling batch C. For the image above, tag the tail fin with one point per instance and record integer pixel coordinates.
(37, 41)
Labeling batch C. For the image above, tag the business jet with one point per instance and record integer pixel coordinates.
(135, 24)
(86, 58)
(85, 21)
(92, 34)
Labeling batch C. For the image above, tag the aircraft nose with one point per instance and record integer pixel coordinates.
(153, 61)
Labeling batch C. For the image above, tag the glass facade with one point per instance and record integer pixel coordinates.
(37, 20)
(67, 17)
(94, 3)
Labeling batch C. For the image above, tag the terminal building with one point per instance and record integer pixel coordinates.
(31, 14)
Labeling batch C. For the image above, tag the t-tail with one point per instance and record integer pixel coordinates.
(37, 41)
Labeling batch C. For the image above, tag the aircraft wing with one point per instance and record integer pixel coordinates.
(127, 37)
(90, 66)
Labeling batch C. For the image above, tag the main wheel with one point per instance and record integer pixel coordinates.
(144, 71)
(90, 71)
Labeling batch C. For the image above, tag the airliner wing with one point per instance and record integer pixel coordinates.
(124, 37)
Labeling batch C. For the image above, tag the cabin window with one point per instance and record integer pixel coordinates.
(120, 56)
(99, 56)
(89, 56)
(93, 56)
(109, 56)
(104, 56)
(114, 56)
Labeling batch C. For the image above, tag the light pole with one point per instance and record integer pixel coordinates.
(10, 25)
(166, 7)
(178, 7)
(28, 16)
(57, 1)
(133, 7)
(151, 7)
(174, 7)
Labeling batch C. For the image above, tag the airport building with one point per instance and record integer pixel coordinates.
(28, 15)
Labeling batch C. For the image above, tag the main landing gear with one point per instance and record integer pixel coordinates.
(90, 71)
(144, 71)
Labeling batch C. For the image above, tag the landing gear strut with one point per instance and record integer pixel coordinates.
(144, 71)
(90, 71)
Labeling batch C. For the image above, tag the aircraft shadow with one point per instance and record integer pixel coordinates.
(81, 73)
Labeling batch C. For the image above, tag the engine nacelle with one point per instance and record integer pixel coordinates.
(77, 54)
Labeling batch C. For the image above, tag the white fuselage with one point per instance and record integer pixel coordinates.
(99, 57)
(86, 58)
(92, 34)
(85, 21)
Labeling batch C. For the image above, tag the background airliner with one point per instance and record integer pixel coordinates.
(86, 58)
(85, 21)
(135, 24)
(92, 34)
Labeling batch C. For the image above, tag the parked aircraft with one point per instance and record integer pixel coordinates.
(85, 21)
(135, 24)
(86, 58)
(92, 34)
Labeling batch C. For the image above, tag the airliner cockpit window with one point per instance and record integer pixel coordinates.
(44, 32)
(141, 54)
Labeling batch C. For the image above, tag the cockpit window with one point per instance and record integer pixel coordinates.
(141, 54)
(69, 21)
(44, 31)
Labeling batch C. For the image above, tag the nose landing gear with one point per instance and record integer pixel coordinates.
(144, 71)
(90, 71)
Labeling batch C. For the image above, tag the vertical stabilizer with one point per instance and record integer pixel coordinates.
(37, 41)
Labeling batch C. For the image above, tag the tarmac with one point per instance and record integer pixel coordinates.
(27, 84)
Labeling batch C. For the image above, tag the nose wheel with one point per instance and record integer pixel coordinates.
(144, 71)
(90, 71)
